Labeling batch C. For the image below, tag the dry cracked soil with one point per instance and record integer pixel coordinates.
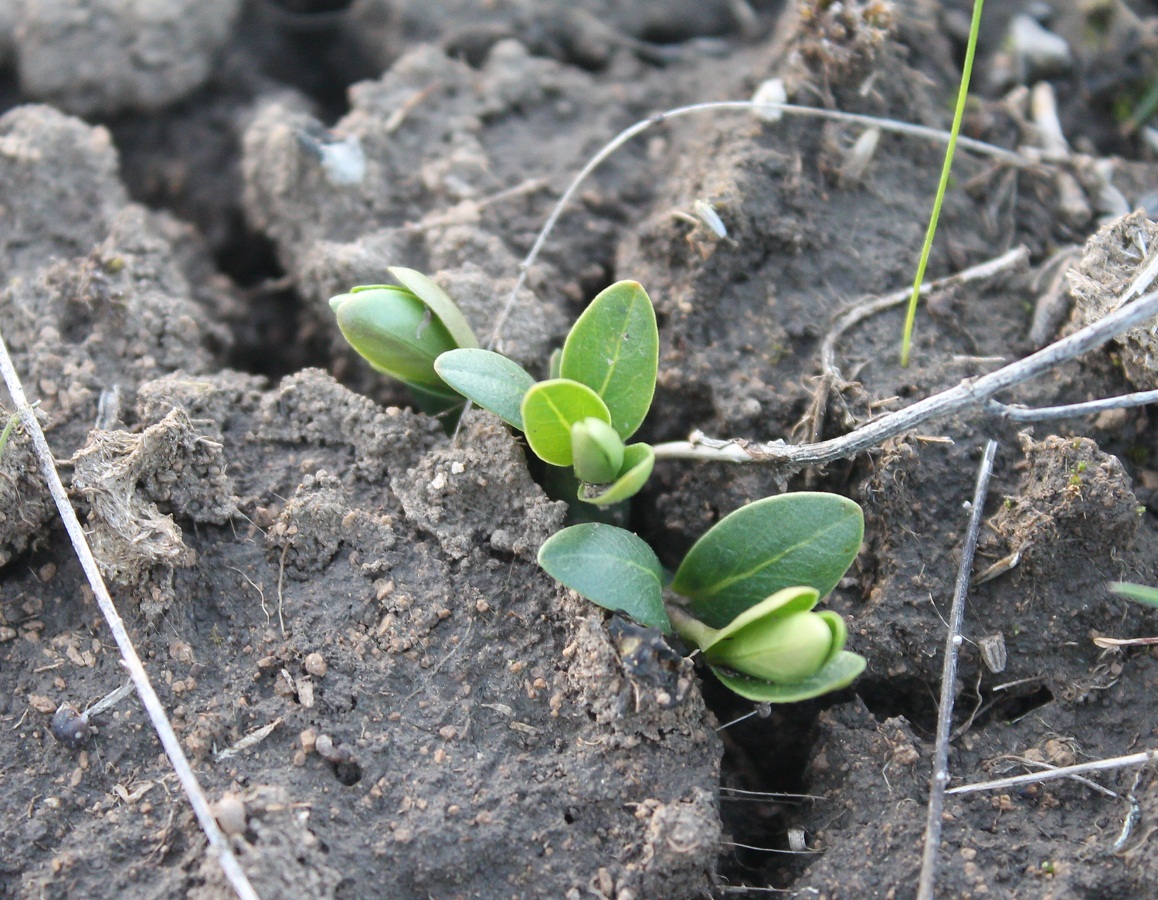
(340, 607)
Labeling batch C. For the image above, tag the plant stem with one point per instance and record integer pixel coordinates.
(690, 629)
(958, 114)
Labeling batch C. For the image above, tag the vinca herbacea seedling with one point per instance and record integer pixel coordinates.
(601, 388)
(747, 590)
(401, 330)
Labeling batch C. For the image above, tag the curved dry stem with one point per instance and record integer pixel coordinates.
(892, 125)
(969, 393)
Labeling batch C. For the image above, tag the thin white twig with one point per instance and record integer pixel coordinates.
(953, 643)
(1081, 779)
(1100, 765)
(769, 849)
(149, 699)
(892, 125)
(969, 393)
(1049, 413)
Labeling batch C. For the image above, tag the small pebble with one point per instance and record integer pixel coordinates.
(316, 665)
(70, 726)
(230, 814)
(771, 91)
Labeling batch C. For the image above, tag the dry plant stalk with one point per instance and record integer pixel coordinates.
(953, 643)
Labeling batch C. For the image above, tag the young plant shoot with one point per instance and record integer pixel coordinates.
(750, 585)
(601, 389)
(401, 330)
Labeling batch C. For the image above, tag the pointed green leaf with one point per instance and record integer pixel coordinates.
(439, 302)
(613, 348)
(487, 379)
(804, 538)
(610, 567)
(837, 674)
(638, 461)
(1137, 592)
(549, 410)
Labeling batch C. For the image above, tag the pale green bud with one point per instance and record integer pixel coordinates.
(778, 640)
(596, 450)
(396, 333)
(779, 650)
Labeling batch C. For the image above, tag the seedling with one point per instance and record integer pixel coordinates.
(9, 427)
(748, 588)
(752, 580)
(600, 390)
(950, 149)
(401, 330)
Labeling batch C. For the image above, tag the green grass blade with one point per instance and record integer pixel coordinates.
(1137, 592)
(7, 433)
(958, 114)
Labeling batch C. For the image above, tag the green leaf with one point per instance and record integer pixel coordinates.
(610, 567)
(8, 427)
(638, 461)
(487, 379)
(396, 333)
(785, 602)
(549, 410)
(439, 302)
(1138, 592)
(800, 539)
(837, 674)
(613, 348)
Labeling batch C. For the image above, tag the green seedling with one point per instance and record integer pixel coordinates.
(748, 585)
(402, 330)
(943, 184)
(9, 427)
(601, 387)
(1139, 593)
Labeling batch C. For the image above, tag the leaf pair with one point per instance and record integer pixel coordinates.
(802, 541)
(606, 377)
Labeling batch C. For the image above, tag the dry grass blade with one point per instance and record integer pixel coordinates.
(132, 662)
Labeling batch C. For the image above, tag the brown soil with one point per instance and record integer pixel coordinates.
(295, 550)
